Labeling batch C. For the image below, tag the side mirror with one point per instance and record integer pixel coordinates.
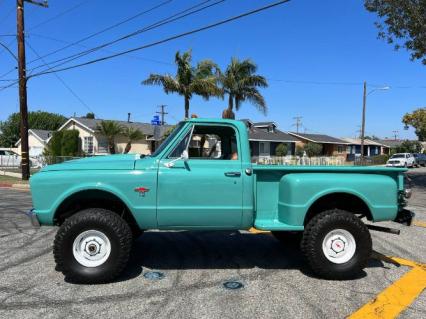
(183, 157)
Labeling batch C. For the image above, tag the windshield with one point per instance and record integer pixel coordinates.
(168, 139)
(398, 156)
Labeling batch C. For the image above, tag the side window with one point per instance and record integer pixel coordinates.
(2, 153)
(213, 143)
(178, 150)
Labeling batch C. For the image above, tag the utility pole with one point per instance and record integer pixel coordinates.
(23, 108)
(162, 112)
(298, 122)
(395, 134)
(364, 102)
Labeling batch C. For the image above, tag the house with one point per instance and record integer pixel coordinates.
(37, 141)
(331, 146)
(94, 143)
(371, 148)
(264, 137)
(389, 144)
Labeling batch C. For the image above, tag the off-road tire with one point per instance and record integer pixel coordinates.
(316, 230)
(290, 239)
(109, 223)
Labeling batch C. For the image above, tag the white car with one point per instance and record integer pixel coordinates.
(9, 158)
(401, 160)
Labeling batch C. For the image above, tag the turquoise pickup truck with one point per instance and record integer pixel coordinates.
(201, 178)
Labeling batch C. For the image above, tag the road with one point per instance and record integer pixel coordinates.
(195, 265)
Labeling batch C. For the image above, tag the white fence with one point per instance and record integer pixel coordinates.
(300, 160)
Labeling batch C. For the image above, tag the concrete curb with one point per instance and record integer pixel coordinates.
(15, 186)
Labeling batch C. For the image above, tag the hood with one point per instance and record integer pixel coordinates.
(116, 162)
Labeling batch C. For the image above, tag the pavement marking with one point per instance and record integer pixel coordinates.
(419, 223)
(258, 231)
(398, 296)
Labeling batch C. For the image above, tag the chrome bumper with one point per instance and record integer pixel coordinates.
(33, 218)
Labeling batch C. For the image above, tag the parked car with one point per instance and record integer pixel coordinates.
(420, 159)
(401, 160)
(9, 159)
(201, 178)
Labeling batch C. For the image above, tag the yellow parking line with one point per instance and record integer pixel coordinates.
(419, 223)
(398, 296)
(258, 231)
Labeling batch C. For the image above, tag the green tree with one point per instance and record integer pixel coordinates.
(90, 115)
(132, 135)
(36, 120)
(299, 150)
(312, 149)
(409, 147)
(189, 80)
(402, 23)
(110, 130)
(417, 119)
(70, 143)
(54, 146)
(241, 83)
(281, 149)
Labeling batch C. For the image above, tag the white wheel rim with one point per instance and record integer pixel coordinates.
(339, 246)
(91, 248)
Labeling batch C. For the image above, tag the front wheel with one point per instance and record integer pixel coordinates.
(92, 246)
(337, 244)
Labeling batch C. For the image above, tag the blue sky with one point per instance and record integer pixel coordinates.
(300, 47)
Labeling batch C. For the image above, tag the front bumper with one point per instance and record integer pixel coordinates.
(33, 217)
(404, 217)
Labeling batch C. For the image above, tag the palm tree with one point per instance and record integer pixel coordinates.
(241, 83)
(201, 80)
(110, 129)
(132, 135)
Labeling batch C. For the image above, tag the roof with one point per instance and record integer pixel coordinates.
(319, 138)
(391, 143)
(357, 141)
(263, 124)
(42, 134)
(92, 124)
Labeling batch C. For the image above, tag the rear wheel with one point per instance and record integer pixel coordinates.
(92, 246)
(337, 244)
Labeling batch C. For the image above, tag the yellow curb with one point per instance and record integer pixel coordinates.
(258, 231)
(398, 296)
(419, 223)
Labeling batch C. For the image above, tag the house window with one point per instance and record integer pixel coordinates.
(340, 149)
(102, 144)
(88, 145)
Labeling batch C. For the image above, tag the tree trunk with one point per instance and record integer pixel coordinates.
(111, 147)
(128, 147)
(229, 113)
(186, 107)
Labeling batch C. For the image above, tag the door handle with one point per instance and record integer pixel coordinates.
(233, 174)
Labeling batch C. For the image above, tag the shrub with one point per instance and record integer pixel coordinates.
(281, 149)
(312, 149)
(70, 141)
(299, 150)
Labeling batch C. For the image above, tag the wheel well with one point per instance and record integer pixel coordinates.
(344, 201)
(93, 199)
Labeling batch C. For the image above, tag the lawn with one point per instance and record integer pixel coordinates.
(4, 179)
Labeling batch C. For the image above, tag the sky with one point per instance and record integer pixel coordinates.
(315, 55)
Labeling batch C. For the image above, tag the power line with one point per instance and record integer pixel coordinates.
(177, 16)
(298, 123)
(180, 35)
(104, 30)
(63, 82)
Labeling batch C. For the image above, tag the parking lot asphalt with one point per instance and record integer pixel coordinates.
(195, 265)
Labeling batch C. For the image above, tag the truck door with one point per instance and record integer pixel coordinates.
(206, 189)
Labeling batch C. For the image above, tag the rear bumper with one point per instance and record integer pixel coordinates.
(33, 217)
(404, 217)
